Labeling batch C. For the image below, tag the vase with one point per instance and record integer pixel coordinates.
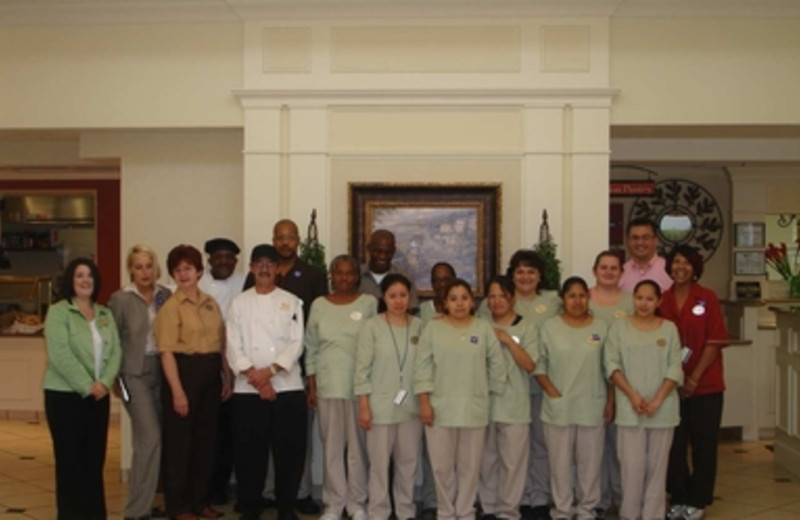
(779, 289)
(794, 287)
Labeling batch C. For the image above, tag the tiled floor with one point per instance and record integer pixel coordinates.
(749, 485)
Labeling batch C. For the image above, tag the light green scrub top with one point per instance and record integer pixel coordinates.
(384, 353)
(330, 343)
(573, 359)
(514, 405)
(611, 313)
(646, 359)
(427, 311)
(546, 305)
(458, 367)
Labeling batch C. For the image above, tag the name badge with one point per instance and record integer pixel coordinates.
(686, 353)
(619, 313)
(661, 342)
(356, 315)
(594, 339)
(699, 309)
(400, 398)
(540, 309)
(473, 340)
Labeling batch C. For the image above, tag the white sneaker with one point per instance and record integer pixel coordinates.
(675, 512)
(329, 516)
(359, 515)
(693, 513)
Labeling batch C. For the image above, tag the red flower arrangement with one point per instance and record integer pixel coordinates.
(778, 259)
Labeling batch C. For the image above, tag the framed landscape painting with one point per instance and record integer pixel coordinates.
(454, 223)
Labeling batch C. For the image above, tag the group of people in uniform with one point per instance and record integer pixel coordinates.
(537, 403)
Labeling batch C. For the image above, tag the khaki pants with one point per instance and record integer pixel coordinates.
(455, 455)
(503, 469)
(585, 444)
(342, 488)
(401, 443)
(643, 457)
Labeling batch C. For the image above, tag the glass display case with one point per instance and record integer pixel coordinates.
(24, 301)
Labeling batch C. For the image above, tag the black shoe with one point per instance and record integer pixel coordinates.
(288, 515)
(250, 516)
(307, 506)
(599, 513)
(429, 513)
(157, 512)
(489, 517)
(526, 512)
(541, 513)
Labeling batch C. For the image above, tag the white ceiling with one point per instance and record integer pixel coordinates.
(55, 12)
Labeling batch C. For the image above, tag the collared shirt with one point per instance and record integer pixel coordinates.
(266, 329)
(369, 285)
(224, 291)
(699, 321)
(186, 327)
(634, 273)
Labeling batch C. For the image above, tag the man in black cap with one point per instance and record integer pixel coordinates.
(224, 285)
(264, 344)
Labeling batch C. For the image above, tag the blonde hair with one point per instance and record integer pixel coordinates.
(140, 249)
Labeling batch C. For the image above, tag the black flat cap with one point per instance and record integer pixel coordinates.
(221, 244)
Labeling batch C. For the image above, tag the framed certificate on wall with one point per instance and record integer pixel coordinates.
(748, 234)
(748, 263)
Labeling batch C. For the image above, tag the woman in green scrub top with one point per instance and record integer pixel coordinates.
(609, 303)
(505, 455)
(387, 409)
(643, 359)
(577, 403)
(331, 340)
(458, 364)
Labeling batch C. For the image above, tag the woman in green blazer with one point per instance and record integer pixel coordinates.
(83, 358)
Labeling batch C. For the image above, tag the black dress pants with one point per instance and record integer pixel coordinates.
(79, 428)
(699, 427)
(188, 443)
(261, 426)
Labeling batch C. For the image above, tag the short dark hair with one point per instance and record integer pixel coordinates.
(651, 283)
(641, 221)
(689, 253)
(184, 253)
(446, 265)
(569, 282)
(459, 282)
(528, 258)
(348, 259)
(68, 281)
(504, 282)
(388, 281)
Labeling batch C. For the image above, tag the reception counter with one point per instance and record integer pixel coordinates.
(787, 359)
(22, 364)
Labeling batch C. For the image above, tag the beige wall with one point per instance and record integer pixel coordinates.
(176, 186)
(118, 76)
(715, 71)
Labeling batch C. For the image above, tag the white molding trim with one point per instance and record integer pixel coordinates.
(468, 98)
(94, 12)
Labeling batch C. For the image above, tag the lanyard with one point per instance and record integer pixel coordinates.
(401, 362)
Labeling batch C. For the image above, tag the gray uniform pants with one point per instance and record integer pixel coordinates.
(503, 469)
(537, 483)
(585, 445)
(342, 488)
(643, 456)
(401, 443)
(610, 485)
(455, 458)
(144, 409)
